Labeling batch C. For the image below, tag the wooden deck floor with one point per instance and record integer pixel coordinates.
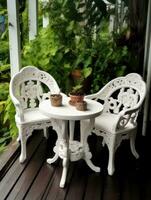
(35, 179)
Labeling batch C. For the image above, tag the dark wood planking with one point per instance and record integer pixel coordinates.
(145, 192)
(54, 191)
(41, 182)
(16, 170)
(79, 181)
(95, 186)
(130, 174)
(145, 184)
(112, 184)
(132, 179)
(54, 182)
(111, 188)
(29, 174)
(130, 187)
(8, 157)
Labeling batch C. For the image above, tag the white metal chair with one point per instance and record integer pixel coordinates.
(122, 98)
(27, 88)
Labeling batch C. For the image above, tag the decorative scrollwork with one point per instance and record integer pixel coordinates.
(31, 94)
(128, 98)
(27, 86)
(121, 99)
(27, 129)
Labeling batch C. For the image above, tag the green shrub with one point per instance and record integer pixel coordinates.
(4, 91)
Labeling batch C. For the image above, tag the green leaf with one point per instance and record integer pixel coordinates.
(87, 71)
(53, 50)
(67, 66)
(2, 147)
(2, 105)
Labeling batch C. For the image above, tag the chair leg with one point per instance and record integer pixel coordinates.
(23, 140)
(111, 143)
(132, 145)
(111, 167)
(46, 133)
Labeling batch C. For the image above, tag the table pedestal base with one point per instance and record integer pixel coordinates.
(69, 149)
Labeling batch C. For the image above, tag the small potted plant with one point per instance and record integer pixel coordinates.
(76, 95)
(56, 99)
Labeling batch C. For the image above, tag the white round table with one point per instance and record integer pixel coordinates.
(66, 147)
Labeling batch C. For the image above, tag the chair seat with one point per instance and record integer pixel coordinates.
(33, 116)
(107, 123)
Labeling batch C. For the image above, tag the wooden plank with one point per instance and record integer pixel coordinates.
(41, 182)
(30, 172)
(37, 180)
(78, 182)
(94, 187)
(129, 173)
(111, 188)
(130, 187)
(54, 191)
(8, 157)
(10, 179)
(145, 192)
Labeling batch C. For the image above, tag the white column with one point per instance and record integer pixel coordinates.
(45, 19)
(111, 23)
(33, 18)
(147, 39)
(14, 36)
(147, 62)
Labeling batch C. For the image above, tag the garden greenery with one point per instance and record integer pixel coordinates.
(76, 38)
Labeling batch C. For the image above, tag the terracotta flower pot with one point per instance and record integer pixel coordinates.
(74, 98)
(56, 99)
(82, 106)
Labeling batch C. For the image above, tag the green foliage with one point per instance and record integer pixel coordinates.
(7, 121)
(9, 118)
(3, 4)
(5, 138)
(7, 129)
(78, 84)
(4, 73)
(67, 42)
(4, 91)
(4, 50)
(110, 61)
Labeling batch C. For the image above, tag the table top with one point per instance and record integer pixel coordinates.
(69, 112)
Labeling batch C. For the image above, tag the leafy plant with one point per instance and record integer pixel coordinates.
(109, 61)
(4, 91)
(7, 131)
(78, 85)
(9, 120)
(5, 138)
(66, 44)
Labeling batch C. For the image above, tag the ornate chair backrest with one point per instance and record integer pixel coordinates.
(29, 85)
(123, 93)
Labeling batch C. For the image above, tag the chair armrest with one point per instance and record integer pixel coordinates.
(19, 110)
(63, 94)
(91, 96)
